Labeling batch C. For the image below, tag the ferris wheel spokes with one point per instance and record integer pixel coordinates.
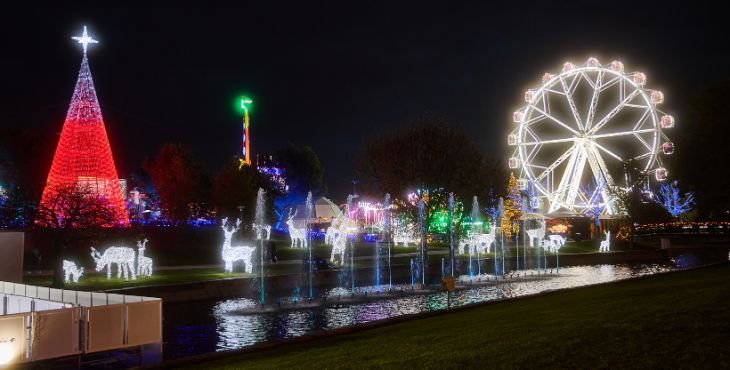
(613, 112)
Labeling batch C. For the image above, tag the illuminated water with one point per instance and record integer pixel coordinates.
(199, 327)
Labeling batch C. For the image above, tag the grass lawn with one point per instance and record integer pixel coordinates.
(676, 320)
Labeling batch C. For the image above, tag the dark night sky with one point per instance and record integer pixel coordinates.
(332, 76)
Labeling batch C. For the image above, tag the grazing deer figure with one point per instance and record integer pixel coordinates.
(232, 254)
(144, 263)
(477, 242)
(71, 272)
(606, 244)
(298, 235)
(558, 240)
(538, 234)
(122, 256)
(260, 231)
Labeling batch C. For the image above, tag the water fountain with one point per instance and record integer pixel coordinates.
(423, 253)
(310, 263)
(259, 217)
(451, 235)
(386, 229)
(352, 244)
(475, 228)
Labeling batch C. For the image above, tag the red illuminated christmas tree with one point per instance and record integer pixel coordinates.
(83, 158)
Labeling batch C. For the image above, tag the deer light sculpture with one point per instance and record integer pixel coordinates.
(298, 235)
(122, 256)
(144, 263)
(606, 244)
(260, 229)
(71, 272)
(232, 254)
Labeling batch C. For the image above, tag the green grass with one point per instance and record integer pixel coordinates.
(676, 320)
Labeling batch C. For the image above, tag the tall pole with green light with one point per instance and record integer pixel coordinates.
(246, 157)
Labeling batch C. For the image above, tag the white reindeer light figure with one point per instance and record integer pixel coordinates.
(558, 240)
(606, 244)
(533, 234)
(71, 272)
(144, 263)
(298, 235)
(339, 243)
(477, 242)
(260, 231)
(122, 256)
(232, 254)
(329, 237)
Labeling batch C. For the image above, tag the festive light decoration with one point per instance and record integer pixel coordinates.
(261, 229)
(246, 145)
(586, 114)
(298, 235)
(477, 242)
(339, 242)
(71, 272)
(329, 237)
(557, 240)
(513, 207)
(404, 234)
(606, 244)
(144, 264)
(83, 156)
(232, 254)
(675, 203)
(122, 256)
(537, 233)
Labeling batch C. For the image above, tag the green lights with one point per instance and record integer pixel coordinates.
(245, 102)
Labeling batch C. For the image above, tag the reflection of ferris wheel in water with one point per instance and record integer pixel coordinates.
(581, 128)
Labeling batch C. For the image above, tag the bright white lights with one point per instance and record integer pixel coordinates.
(232, 254)
(579, 128)
(122, 256)
(85, 39)
(404, 234)
(298, 235)
(71, 272)
(477, 242)
(260, 229)
(7, 353)
(339, 241)
(606, 244)
(661, 174)
(144, 264)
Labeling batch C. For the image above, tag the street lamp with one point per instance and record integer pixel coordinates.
(246, 157)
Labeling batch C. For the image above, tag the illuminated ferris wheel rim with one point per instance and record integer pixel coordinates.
(584, 134)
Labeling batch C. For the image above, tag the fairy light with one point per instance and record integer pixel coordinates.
(71, 272)
(231, 254)
(83, 156)
(123, 257)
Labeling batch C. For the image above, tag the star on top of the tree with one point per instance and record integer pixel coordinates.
(85, 39)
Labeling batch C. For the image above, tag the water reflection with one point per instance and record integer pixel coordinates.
(229, 327)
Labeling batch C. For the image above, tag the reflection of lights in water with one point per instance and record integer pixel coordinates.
(237, 330)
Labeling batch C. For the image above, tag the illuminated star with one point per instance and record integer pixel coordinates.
(85, 40)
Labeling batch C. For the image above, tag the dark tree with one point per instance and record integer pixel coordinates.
(72, 214)
(428, 155)
(702, 143)
(234, 187)
(304, 171)
(178, 178)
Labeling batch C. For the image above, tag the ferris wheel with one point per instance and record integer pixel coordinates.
(581, 129)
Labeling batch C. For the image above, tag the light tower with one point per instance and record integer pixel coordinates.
(246, 145)
(83, 157)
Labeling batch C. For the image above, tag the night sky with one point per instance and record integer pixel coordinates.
(332, 76)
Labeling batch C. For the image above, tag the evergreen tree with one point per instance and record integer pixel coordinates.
(513, 207)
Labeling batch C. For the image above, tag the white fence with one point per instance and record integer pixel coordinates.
(39, 323)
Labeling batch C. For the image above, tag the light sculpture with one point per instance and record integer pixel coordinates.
(536, 233)
(231, 254)
(557, 240)
(83, 157)
(124, 257)
(144, 263)
(339, 242)
(298, 235)
(260, 230)
(71, 272)
(584, 124)
(246, 138)
(404, 234)
(605, 244)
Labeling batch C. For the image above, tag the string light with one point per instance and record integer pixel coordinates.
(298, 235)
(83, 156)
(71, 272)
(122, 256)
(232, 254)
(144, 264)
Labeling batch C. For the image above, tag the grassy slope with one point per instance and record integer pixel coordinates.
(676, 320)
